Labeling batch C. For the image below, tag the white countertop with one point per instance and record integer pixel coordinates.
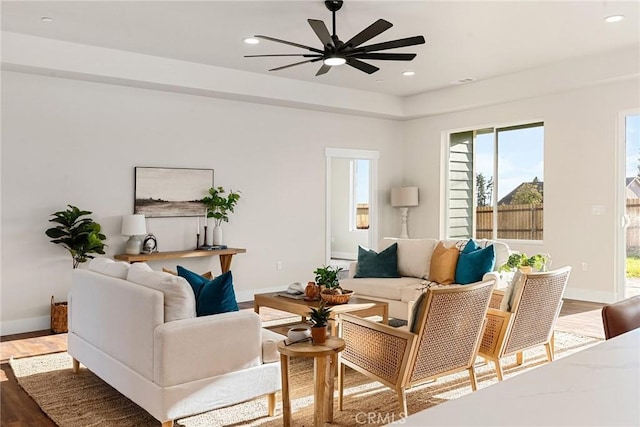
(599, 386)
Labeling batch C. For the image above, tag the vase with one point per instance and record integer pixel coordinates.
(526, 269)
(312, 291)
(319, 334)
(217, 235)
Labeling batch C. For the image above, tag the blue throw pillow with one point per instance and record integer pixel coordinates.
(195, 280)
(212, 296)
(474, 262)
(373, 264)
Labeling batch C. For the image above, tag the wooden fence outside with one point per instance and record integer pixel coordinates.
(522, 222)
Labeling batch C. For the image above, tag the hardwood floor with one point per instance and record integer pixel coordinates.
(17, 409)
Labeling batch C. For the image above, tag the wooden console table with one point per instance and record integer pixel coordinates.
(226, 255)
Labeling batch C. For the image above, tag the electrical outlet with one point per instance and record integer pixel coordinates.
(279, 265)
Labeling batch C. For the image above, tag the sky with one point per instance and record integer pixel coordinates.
(520, 157)
(633, 144)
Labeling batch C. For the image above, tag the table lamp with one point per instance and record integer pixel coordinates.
(403, 198)
(133, 226)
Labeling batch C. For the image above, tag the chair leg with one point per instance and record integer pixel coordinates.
(402, 397)
(472, 377)
(167, 423)
(76, 366)
(549, 347)
(519, 358)
(341, 372)
(271, 404)
(498, 369)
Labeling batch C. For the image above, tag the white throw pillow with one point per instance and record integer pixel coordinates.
(109, 267)
(512, 290)
(179, 301)
(414, 255)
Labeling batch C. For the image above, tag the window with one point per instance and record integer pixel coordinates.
(496, 170)
(359, 194)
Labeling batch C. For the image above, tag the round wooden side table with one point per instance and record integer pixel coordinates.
(325, 358)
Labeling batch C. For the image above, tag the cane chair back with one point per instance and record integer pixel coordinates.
(447, 336)
(530, 322)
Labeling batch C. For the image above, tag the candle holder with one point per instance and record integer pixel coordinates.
(205, 246)
(197, 240)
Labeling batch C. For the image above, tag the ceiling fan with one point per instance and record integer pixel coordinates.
(336, 52)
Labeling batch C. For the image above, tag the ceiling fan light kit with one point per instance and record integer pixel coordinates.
(335, 52)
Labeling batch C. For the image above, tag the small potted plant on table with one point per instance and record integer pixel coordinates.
(319, 318)
(524, 263)
(332, 292)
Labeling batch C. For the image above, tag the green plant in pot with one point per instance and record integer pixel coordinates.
(77, 233)
(81, 236)
(218, 207)
(319, 318)
(327, 278)
(525, 263)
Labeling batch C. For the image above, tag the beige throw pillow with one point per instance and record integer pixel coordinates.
(443, 264)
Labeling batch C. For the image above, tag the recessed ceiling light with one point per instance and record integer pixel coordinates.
(614, 18)
(46, 19)
(463, 81)
(251, 40)
(408, 73)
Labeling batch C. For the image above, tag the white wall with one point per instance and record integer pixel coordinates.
(69, 141)
(580, 171)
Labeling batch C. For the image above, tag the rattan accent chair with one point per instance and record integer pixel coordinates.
(536, 304)
(448, 329)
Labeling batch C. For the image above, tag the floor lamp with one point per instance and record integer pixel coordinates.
(403, 198)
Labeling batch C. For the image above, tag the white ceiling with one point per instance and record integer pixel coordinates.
(465, 39)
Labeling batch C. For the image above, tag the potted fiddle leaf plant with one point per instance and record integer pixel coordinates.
(218, 207)
(319, 318)
(82, 237)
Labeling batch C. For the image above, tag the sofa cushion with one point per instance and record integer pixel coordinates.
(179, 301)
(443, 264)
(110, 267)
(217, 296)
(474, 262)
(380, 287)
(414, 255)
(373, 264)
(510, 292)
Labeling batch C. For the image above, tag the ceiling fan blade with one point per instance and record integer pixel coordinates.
(293, 65)
(368, 33)
(409, 41)
(323, 70)
(312, 49)
(362, 66)
(383, 56)
(322, 32)
(305, 55)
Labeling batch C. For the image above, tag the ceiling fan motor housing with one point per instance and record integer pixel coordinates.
(333, 5)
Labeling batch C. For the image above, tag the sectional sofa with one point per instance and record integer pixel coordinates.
(414, 258)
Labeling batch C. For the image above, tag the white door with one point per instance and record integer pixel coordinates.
(630, 205)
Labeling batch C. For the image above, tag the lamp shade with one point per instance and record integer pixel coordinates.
(404, 197)
(133, 225)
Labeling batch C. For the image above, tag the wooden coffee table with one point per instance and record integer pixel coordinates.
(359, 306)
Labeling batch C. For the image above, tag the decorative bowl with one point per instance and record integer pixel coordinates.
(338, 298)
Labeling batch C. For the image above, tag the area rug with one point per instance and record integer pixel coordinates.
(82, 400)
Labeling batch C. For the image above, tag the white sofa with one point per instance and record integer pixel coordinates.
(145, 341)
(414, 262)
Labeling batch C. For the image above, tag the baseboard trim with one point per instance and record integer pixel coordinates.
(591, 296)
(11, 327)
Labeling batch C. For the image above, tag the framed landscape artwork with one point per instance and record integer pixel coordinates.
(170, 192)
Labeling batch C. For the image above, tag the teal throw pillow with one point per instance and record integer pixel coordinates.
(373, 264)
(195, 280)
(212, 296)
(474, 262)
